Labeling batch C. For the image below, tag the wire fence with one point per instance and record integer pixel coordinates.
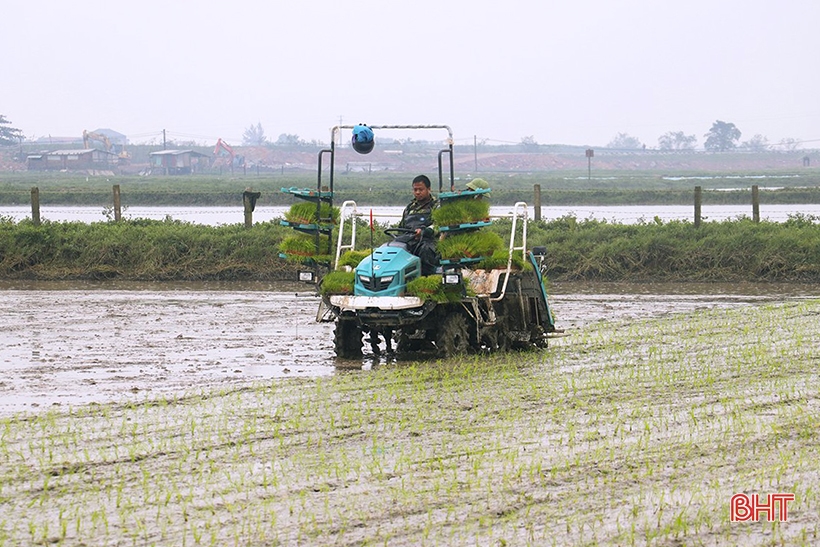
(214, 215)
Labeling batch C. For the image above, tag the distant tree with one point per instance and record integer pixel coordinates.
(9, 134)
(758, 143)
(789, 144)
(529, 143)
(677, 140)
(286, 139)
(622, 141)
(254, 136)
(722, 137)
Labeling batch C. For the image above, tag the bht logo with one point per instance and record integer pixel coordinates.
(745, 507)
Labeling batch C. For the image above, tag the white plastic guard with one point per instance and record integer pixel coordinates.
(380, 302)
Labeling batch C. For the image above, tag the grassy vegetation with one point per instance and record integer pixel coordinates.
(635, 433)
(678, 251)
(141, 249)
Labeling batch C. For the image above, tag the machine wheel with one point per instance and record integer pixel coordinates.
(348, 339)
(495, 340)
(406, 344)
(453, 338)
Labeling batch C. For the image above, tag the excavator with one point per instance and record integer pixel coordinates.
(88, 136)
(223, 149)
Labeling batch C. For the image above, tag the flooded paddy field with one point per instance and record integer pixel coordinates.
(637, 429)
(72, 343)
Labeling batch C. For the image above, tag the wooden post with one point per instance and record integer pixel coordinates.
(249, 198)
(697, 206)
(248, 210)
(755, 204)
(35, 205)
(117, 204)
(537, 201)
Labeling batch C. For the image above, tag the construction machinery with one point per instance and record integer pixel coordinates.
(224, 154)
(123, 156)
(89, 136)
(471, 304)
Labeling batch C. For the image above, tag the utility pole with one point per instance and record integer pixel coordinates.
(163, 139)
(475, 152)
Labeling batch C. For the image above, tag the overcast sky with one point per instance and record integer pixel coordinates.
(567, 71)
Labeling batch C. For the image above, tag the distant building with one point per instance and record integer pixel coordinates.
(177, 162)
(72, 160)
(59, 140)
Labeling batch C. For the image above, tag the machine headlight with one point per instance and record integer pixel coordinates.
(364, 278)
(451, 278)
(387, 279)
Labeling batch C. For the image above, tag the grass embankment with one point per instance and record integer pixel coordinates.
(141, 250)
(576, 250)
(739, 250)
(630, 434)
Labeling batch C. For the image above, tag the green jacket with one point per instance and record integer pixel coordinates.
(419, 215)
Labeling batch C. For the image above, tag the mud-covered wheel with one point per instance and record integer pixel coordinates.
(348, 339)
(494, 341)
(411, 341)
(452, 337)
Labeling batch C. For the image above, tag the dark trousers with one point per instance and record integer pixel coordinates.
(425, 249)
(428, 254)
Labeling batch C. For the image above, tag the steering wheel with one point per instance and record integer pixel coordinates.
(395, 232)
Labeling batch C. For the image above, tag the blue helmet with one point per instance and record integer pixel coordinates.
(362, 139)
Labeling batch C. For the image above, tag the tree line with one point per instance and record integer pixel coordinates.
(721, 137)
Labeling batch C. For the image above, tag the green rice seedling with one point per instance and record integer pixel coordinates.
(499, 260)
(470, 245)
(461, 211)
(302, 247)
(430, 287)
(352, 258)
(304, 212)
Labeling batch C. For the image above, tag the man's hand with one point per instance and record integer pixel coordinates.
(418, 233)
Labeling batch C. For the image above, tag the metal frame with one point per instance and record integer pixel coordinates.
(334, 133)
(519, 210)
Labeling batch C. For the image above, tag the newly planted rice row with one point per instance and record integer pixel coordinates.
(628, 433)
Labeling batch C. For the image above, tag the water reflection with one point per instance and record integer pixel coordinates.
(625, 214)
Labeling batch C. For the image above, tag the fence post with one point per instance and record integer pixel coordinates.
(537, 201)
(117, 204)
(35, 205)
(249, 201)
(755, 204)
(697, 206)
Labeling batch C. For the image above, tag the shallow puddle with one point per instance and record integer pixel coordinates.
(65, 344)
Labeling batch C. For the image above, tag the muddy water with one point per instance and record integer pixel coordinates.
(66, 344)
